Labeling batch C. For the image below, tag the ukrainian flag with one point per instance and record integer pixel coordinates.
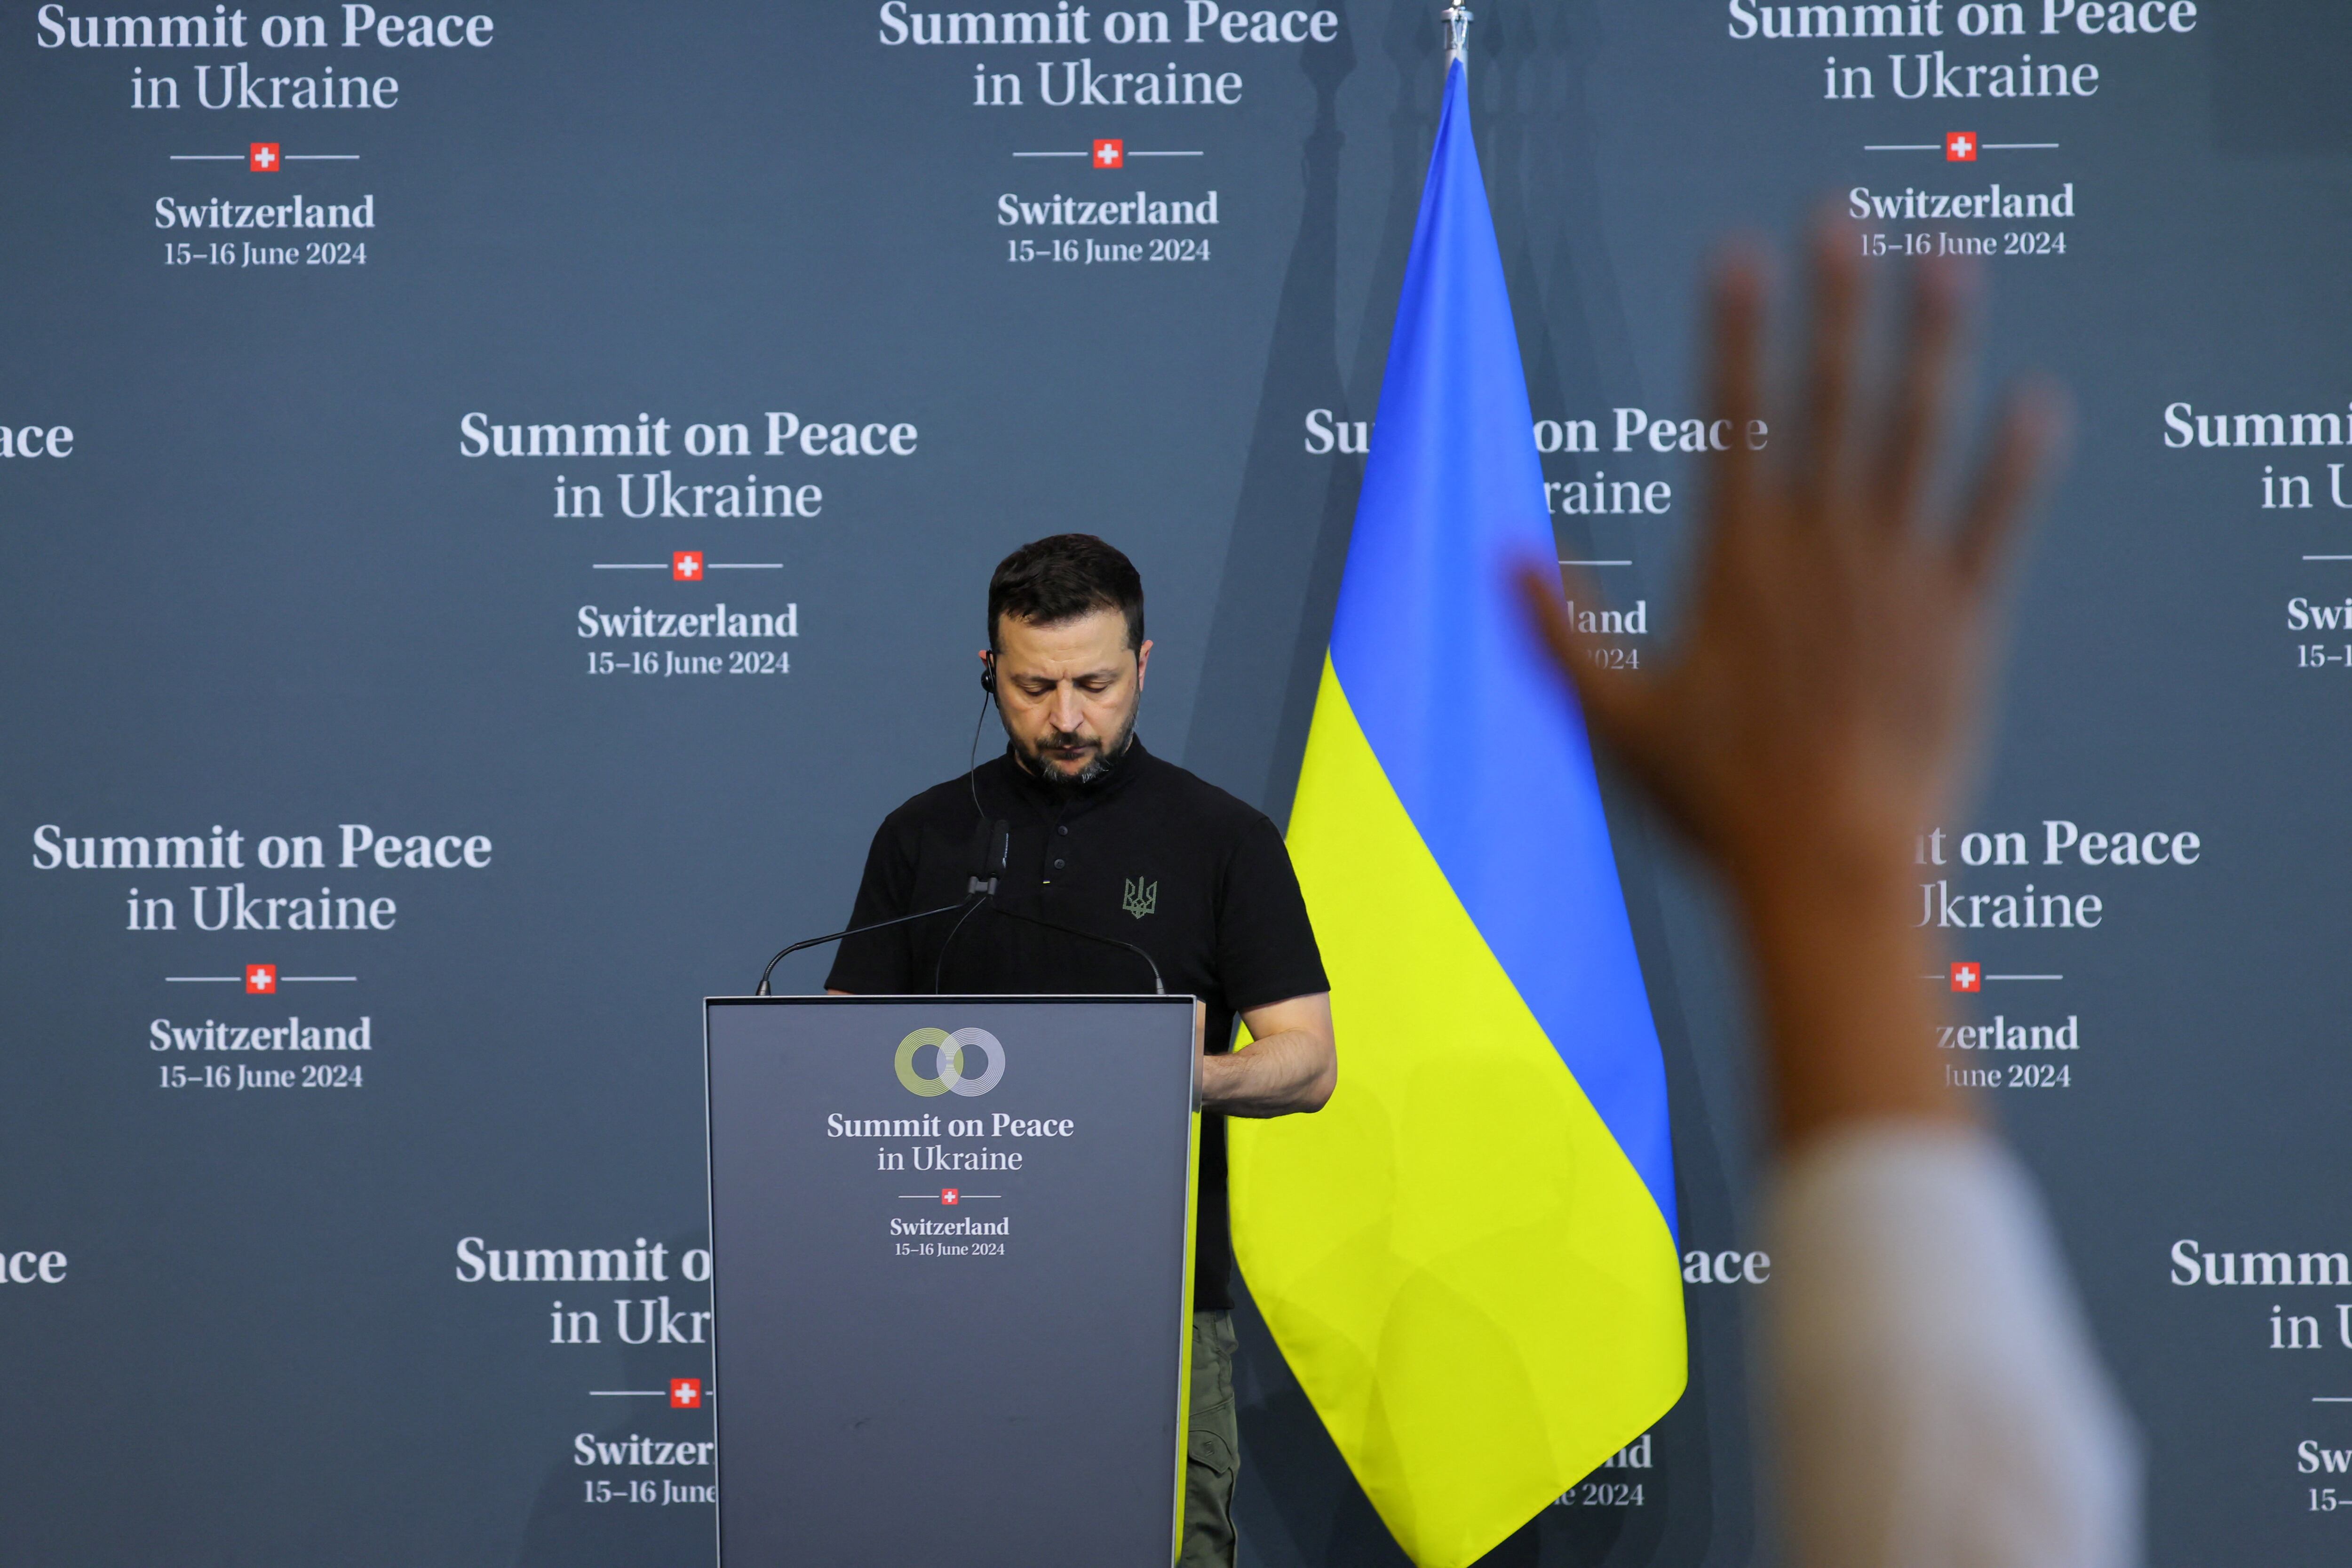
(1468, 1257)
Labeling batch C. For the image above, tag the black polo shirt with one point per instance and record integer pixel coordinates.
(1148, 854)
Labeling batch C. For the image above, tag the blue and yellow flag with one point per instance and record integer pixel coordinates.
(1468, 1256)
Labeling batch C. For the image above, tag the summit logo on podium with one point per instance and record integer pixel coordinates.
(949, 1069)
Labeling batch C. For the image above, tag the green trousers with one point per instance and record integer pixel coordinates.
(1214, 1447)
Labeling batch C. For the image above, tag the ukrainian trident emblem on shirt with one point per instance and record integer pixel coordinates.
(1143, 897)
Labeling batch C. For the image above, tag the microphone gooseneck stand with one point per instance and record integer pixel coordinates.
(852, 931)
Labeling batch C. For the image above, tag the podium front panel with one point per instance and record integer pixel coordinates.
(951, 1248)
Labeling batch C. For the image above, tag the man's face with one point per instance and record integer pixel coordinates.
(1068, 691)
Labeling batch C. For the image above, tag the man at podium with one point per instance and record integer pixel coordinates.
(1084, 829)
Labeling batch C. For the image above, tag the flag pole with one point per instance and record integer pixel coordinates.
(1457, 19)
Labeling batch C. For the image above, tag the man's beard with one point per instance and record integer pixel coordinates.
(1104, 761)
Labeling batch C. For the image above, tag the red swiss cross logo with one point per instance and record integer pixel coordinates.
(1110, 152)
(262, 158)
(1967, 977)
(686, 566)
(1959, 147)
(951, 1195)
(685, 1393)
(261, 980)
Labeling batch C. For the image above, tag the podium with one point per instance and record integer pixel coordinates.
(952, 1247)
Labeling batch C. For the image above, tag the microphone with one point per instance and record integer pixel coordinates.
(979, 890)
(1000, 857)
(967, 906)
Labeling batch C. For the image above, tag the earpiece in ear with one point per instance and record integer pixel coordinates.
(988, 675)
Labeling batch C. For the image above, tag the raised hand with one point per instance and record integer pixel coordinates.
(1820, 709)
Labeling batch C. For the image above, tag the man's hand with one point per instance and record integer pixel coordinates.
(1290, 1063)
(1824, 700)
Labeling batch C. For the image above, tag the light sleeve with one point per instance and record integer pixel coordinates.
(1940, 1403)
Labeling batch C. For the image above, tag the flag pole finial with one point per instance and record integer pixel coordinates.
(1457, 18)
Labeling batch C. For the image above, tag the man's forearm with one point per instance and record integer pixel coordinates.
(1286, 1072)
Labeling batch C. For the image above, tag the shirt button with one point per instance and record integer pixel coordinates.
(1064, 832)
(1057, 865)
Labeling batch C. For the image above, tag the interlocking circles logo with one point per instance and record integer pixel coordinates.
(952, 1067)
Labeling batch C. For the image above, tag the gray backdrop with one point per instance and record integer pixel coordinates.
(257, 1308)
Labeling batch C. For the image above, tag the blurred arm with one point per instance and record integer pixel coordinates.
(1940, 1401)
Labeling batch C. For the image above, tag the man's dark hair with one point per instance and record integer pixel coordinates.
(1049, 581)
